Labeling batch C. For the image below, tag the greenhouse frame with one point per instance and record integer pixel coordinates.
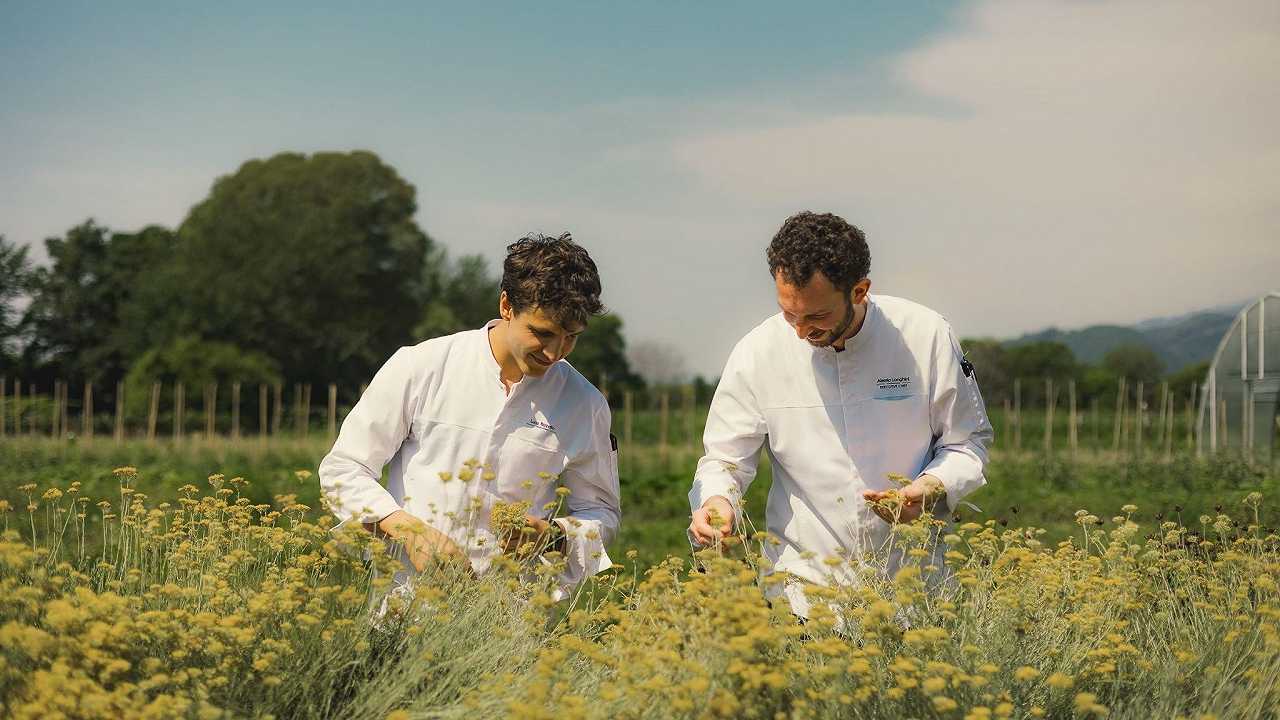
(1241, 395)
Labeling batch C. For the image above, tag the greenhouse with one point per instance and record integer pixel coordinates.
(1239, 401)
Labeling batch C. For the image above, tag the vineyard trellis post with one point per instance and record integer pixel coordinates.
(306, 410)
(1139, 416)
(153, 414)
(86, 412)
(333, 411)
(1073, 432)
(277, 409)
(210, 410)
(179, 408)
(119, 430)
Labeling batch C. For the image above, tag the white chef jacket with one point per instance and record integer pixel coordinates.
(439, 404)
(897, 399)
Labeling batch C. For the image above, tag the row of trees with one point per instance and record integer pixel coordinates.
(999, 364)
(294, 269)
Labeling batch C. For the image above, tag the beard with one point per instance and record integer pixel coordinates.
(828, 339)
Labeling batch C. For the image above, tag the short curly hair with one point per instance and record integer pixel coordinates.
(553, 274)
(810, 242)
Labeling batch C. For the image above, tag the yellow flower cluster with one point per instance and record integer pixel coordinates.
(216, 606)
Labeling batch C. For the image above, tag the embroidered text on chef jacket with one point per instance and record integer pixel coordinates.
(895, 400)
(435, 406)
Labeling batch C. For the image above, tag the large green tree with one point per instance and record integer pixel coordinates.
(100, 302)
(15, 278)
(463, 295)
(1133, 361)
(314, 261)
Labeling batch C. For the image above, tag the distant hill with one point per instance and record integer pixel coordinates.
(1179, 341)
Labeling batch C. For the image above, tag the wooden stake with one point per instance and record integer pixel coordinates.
(86, 412)
(235, 410)
(1073, 432)
(31, 418)
(179, 408)
(210, 410)
(278, 410)
(333, 411)
(4, 381)
(119, 429)
(1191, 416)
(17, 407)
(1118, 420)
(306, 410)
(1139, 415)
(153, 414)
(1168, 430)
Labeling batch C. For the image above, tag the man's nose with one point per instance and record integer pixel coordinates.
(802, 330)
(552, 350)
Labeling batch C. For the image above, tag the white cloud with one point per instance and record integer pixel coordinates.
(1081, 162)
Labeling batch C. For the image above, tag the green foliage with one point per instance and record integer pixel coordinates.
(464, 296)
(314, 261)
(1181, 382)
(1134, 361)
(196, 363)
(601, 355)
(15, 278)
(81, 300)
(990, 361)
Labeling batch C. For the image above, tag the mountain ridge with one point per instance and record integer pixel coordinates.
(1179, 340)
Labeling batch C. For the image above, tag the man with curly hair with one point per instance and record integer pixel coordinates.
(849, 391)
(474, 424)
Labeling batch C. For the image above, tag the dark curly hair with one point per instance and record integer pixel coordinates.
(555, 275)
(810, 242)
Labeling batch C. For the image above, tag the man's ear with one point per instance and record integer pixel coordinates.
(505, 311)
(861, 289)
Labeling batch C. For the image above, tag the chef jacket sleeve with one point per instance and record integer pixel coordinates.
(594, 503)
(350, 475)
(734, 434)
(958, 419)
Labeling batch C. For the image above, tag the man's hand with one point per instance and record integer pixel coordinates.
(908, 503)
(424, 545)
(712, 522)
(536, 531)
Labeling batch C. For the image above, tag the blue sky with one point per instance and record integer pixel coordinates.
(1015, 164)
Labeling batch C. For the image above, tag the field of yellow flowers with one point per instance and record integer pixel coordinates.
(216, 607)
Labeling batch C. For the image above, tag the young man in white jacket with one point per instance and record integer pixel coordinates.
(845, 389)
(485, 416)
